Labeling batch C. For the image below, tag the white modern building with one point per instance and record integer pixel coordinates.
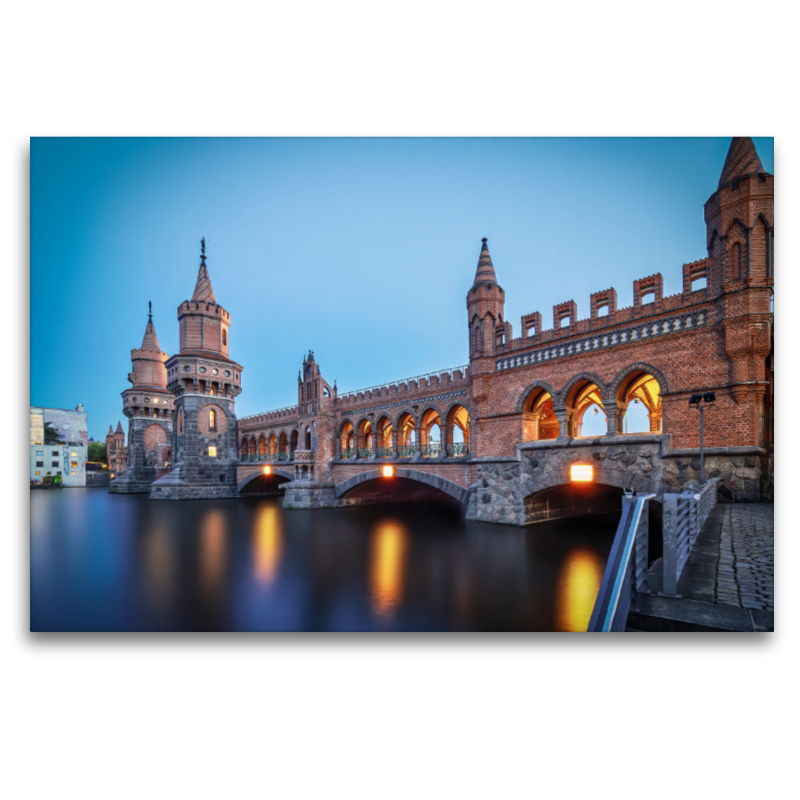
(66, 453)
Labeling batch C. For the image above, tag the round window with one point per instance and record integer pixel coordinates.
(214, 371)
(187, 368)
(202, 369)
(227, 373)
(135, 399)
(147, 399)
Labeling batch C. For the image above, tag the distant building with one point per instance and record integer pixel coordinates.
(59, 444)
(116, 454)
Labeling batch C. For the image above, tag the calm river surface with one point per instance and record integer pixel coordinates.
(102, 562)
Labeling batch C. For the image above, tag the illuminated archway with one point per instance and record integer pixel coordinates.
(365, 439)
(383, 438)
(431, 433)
(585, 395)
(405, 435)
(347, 440)
(639, 403)
(538, 418)
(457, 431)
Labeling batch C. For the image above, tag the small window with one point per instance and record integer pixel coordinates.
(73, 464)
(40, 452)
(55, 452)
(224, 338)
(212, 452)
(49, 473)
(563, 322)
(222, 478)
(212, 419)
(74, 454)
(602, 311)
(699, 283)
(37, 473)
(72, 473)
(326, 392)
(531, 330)
(648, 297)
(40, 463)
(54, 464)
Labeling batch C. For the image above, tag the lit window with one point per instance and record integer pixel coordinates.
(37, 473)
(212, 419)
(74, 454)
(72, 473)
(74, 465)
(212, 451)
(388, 471)
(581, 473)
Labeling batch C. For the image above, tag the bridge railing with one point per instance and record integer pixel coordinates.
(684, 515)
(626, 569)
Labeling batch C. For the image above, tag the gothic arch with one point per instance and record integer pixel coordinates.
(536, 385)
(639, 366)
(442, 484)
(560, 400)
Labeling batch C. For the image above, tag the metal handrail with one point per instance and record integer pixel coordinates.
(621, 575)
(458, 449)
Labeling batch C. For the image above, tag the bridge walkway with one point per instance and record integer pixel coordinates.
(728, 582)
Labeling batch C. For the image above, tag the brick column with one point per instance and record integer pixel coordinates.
(612, 412)
(563, 416)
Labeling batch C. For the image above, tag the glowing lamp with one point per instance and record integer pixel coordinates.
(268, 470)
(581, 473)
(112, 474)
(388, 471)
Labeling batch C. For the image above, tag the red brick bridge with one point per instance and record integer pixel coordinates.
(499, 436)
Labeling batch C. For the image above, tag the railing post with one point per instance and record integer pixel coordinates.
(670, 556)
(641, 553)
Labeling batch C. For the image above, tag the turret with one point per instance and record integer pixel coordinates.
(485, 308)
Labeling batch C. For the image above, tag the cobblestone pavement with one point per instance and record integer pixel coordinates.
(745, 567)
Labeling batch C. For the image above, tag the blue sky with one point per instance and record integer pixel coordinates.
(360, 249)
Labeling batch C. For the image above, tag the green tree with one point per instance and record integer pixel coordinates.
(97, 452)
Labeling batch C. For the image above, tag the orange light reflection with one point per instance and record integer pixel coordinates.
(387, 566)
(576, 590)
(212, 550)
(268, 544)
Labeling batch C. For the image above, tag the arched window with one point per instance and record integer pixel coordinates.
(212, 420)
(224, 338)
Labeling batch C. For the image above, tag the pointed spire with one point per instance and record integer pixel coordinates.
(742, 159)
(110, 431)
(485, 271)
(202, 290)
(150, 340)
(119, 428)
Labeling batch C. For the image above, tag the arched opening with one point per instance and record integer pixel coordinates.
(405, 435)
(538, 418)
(365, 439)
(405, 485)
(264, 485)
(272, 450)
(283, 445)
(431, 432)
(586, 415)
(347, 441)
(252, 447)
(308, 438)
(639, 403)
(293, 442)
(573, 500)
(262, 447)
(244, 450)
(383, 438)
(457, 431)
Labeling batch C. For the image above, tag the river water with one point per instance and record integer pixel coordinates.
(103, 562)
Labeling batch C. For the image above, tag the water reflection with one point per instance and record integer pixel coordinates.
(159, 567)
(268, 544)
(212, 551)
(576, 589)
(389, 546)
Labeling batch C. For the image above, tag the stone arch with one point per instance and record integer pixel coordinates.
(343, 424)
(402, 413)
(442, 484)
(560, 399)
(530, 387)
(638, 366)
(283, 473)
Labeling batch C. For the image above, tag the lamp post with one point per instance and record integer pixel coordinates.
(699, 400)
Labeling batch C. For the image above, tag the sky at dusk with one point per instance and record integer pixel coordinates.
(360, 249)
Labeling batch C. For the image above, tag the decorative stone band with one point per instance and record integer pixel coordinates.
(410, 401)
(634, 334)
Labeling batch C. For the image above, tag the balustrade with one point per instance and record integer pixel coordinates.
(431, 450)
(458, 449)
(383, 452)
(346, 452)
(405, 451)
(364, 452)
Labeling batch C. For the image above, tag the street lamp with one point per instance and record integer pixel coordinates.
(698, 400)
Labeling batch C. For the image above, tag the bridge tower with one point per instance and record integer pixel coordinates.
(148, 405)
(487, 329)
(205, 382)
(739, 225)
(116, 456)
